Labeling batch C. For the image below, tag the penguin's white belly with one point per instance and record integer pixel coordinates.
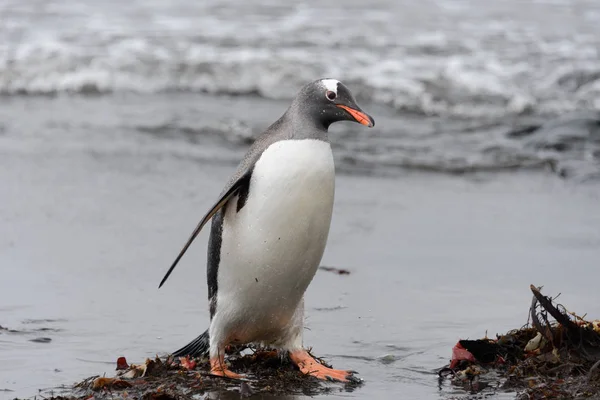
(272, 247)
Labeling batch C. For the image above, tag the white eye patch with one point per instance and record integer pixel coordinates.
(330, 84)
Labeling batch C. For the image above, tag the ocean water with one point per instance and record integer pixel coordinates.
(435, 57)
(453, 79)
(120, 122)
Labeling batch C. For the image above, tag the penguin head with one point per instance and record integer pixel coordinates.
(328, 100)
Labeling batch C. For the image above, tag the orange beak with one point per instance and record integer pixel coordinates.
(359, 116)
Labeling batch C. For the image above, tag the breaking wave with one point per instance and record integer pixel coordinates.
(455, 65)
(458, 86)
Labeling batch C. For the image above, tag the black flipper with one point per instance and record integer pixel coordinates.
(232, 190)
(196, 348)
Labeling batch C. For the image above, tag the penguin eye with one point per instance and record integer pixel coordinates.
(331, 95)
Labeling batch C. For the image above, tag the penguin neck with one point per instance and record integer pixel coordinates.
(305, 125)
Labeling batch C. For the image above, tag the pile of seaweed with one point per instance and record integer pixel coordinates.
(556, 355)
(189, 378)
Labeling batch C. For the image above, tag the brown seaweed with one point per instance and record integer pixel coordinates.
(557, 356)
(182, 379)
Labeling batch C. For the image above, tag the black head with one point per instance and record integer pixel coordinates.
(327, 101)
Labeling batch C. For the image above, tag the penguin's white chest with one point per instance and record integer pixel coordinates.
(272, 247)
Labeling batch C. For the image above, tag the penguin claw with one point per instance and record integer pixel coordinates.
(353, 379)
(330, 379)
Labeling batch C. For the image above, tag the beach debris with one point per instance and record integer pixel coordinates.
(556, 355)
(122, 363)
(133, 371)
(132, 374)
(188, 378)
(339, 271)
(535, 343)
(187, 363)
(109, 383)
(460, 353)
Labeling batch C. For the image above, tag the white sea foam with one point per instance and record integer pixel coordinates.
(501, 58)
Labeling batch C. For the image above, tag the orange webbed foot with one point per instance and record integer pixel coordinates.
(219, 368)
(309, 366)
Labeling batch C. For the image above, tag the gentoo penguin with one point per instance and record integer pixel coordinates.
(269, 229)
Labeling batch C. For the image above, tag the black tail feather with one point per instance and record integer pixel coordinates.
(196, 348)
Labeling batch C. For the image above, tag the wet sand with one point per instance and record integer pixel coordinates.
(85, 238)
